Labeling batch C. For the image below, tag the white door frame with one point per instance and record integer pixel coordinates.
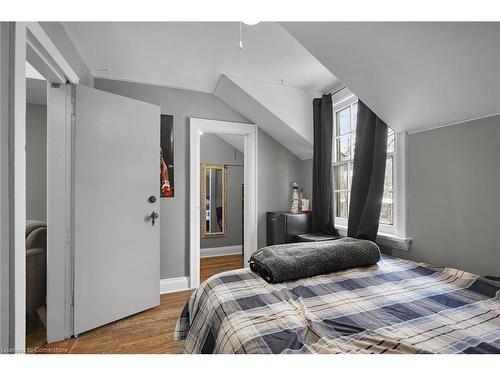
(59, 212)
(5, 187)
(29, 42)
(199, 126)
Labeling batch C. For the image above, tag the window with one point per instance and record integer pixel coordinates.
(345, 115)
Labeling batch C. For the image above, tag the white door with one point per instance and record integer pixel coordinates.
(116, 171)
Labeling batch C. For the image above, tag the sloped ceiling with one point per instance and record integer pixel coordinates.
(283, 112)
(273, 78)
(193, 55)
(414, 76)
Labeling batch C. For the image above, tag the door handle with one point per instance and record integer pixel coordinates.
(154, 216)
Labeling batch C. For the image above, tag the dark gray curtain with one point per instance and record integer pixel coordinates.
(322, 205)
(368, 174)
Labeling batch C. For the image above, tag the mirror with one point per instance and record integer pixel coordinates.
(213, 200)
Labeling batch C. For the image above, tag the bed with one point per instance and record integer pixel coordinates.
(394, 306)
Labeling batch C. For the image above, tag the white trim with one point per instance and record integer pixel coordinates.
(343, 100)
(5, 207)
(249, 131)
(25, 37)
(175, 284)
(385, 239)
(400, 175)
(54, 60)
(59, 213)
(18, 183)
(35, 57)
(394, 242)
(417, 131)
(78, 50)
(209, 252)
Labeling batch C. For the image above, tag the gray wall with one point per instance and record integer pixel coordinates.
(307, 178)
(454, 196)
(36, 162)
(278, 168)
(214, 150)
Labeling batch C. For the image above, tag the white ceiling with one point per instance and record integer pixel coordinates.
(193, 55)
(413, 75)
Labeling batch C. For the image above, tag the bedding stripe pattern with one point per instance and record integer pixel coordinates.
(395, 306)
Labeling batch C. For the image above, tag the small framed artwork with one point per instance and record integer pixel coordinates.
(167, 185)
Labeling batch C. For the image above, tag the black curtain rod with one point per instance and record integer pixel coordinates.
(337, 91)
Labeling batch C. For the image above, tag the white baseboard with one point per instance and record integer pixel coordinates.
(219, 251)
(175, 284)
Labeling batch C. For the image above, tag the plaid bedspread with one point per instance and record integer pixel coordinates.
(395, 306)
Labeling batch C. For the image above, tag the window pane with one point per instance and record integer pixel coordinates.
(349, 177)
(343, 148)
(390, 140)
(388, 174)
(386, 213)
(353, 144)
(341, 204)
(340, 177)
(354, 116)
(344, 121)
(354, 120)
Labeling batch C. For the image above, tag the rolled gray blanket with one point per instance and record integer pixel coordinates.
(279, 263)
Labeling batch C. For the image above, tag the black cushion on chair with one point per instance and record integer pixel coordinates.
(315, 237)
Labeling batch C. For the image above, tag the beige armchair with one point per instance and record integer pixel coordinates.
(36, 269)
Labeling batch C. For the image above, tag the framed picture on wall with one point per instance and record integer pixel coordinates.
(167, 186)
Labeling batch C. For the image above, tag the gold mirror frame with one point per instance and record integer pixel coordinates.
(203, 203)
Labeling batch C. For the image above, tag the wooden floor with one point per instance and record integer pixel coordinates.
(215, 265)
(150, 331)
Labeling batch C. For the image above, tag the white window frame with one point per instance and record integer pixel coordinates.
(394, 235)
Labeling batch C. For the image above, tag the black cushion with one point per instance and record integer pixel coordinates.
(315, 237)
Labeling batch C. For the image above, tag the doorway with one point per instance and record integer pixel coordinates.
(215, 231)
(36, 208)
(27, 42)
(221, 203)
